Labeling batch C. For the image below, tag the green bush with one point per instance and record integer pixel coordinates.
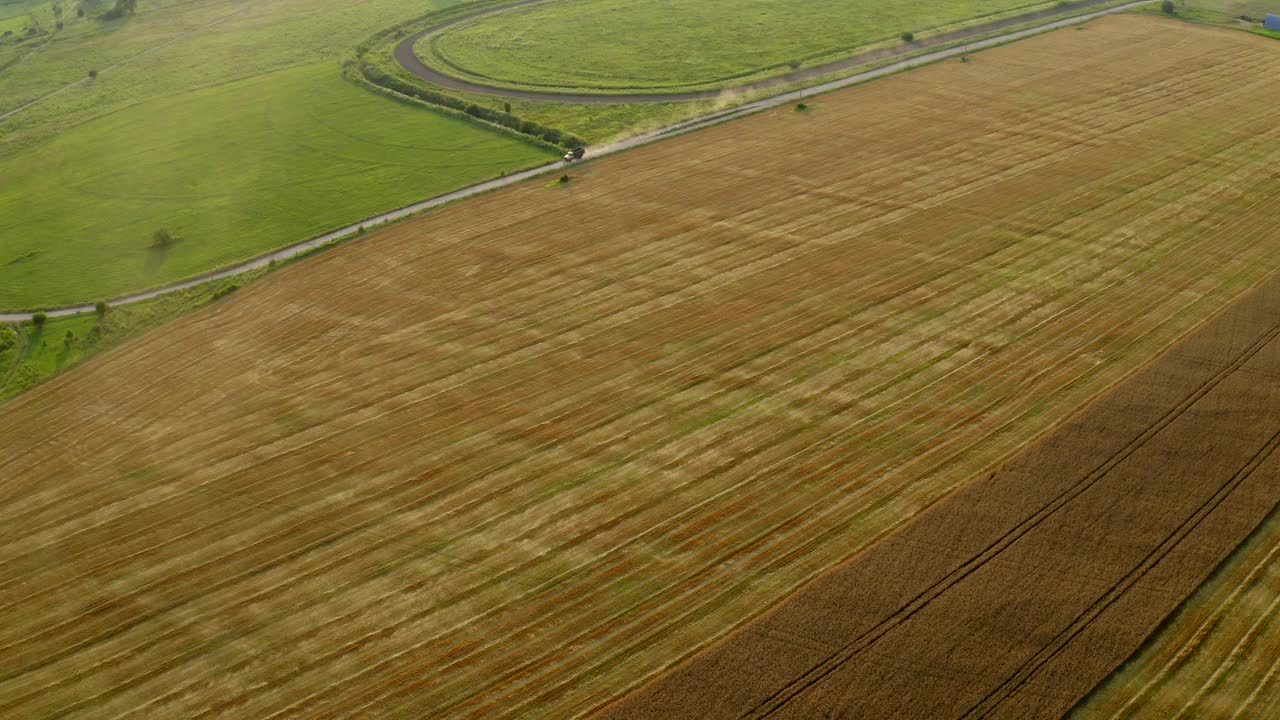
(121, 8)
(224, 291)
(162, 238)
(39, 319)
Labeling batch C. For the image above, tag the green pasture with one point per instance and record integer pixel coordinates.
(226, 122)
(14, 25)
(172, 47)
(230, 171)
(628, 45)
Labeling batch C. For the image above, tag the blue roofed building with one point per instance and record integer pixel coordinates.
(1272, 22)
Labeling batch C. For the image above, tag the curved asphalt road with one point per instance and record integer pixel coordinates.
(679, 128)
(409, 60)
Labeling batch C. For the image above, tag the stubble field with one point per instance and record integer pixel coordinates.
(514, 457)
(1013, 597)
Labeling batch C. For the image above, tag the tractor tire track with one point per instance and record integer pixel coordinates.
(844, 683)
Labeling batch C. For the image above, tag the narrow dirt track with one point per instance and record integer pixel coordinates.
(409, 60)
(1015, 596)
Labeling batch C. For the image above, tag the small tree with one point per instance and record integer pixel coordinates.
(908, 37)
(506, 107)
(39, 319)
(121, 8)
(100, 308)
(1167, 7)
(93, 74)
(162, 239)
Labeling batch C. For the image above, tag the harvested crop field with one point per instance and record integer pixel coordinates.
(514, 457)
(1020, 592)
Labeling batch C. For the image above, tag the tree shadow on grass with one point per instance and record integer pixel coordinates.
(156, 256)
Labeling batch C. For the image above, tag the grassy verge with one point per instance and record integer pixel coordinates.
(31, 354)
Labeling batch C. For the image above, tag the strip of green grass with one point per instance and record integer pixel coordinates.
(619, 44)
(61, 343)
(232, 172)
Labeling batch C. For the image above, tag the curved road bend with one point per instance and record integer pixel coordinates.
(409, 60)
(679, 128)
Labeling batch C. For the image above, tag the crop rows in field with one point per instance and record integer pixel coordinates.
(517, 455)
(1014, 596)
(1219, 656)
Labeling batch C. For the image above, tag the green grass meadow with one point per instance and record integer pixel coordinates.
(627, 45)
(231, 171)
(229, 124)
(172, 47)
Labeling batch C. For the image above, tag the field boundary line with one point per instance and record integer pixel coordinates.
(1198, 637)
(829, 665)
(1028, 670)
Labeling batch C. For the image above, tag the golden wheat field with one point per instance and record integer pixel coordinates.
(513, 457)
